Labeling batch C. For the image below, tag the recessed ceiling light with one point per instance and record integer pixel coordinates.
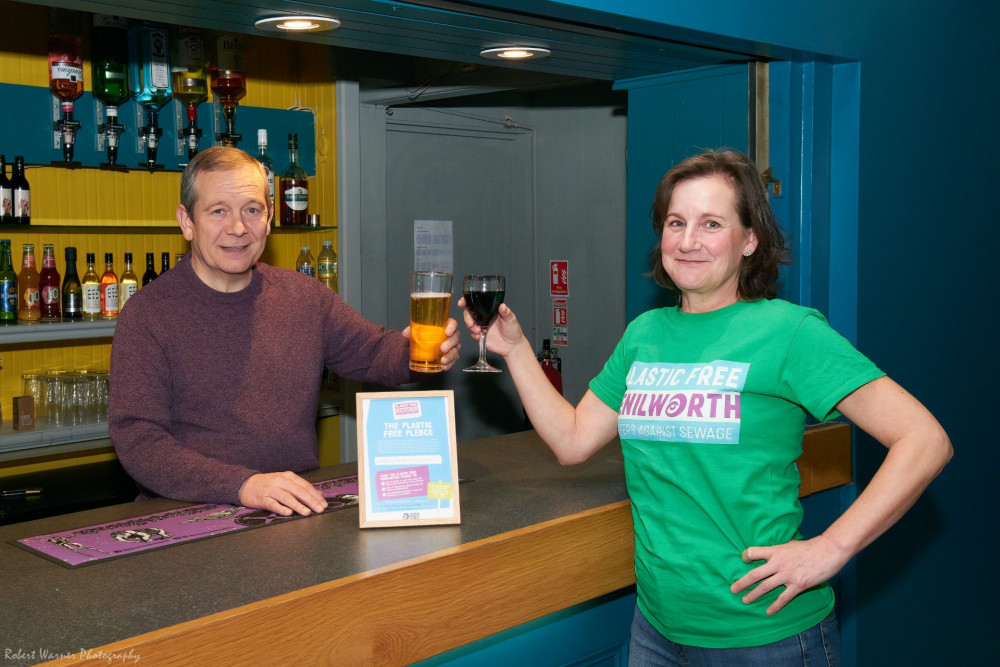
(515, 53)
(297, 23)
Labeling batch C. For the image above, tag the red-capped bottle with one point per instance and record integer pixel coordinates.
(48, 283)
(29, 307)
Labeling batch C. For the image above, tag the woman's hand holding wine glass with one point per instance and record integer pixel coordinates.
(483, 295)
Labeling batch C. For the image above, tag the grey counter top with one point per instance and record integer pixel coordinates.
(44, 607)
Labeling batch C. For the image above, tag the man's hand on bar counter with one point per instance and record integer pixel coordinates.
(283, 493)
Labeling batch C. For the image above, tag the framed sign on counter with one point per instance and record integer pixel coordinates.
(407, 459)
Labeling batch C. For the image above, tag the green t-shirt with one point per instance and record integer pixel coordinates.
(711, 414)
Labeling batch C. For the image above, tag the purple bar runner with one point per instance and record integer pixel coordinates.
(83, 546)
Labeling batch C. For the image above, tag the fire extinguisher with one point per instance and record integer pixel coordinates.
(551, 365)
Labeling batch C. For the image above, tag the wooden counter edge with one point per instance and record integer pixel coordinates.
(826, 460)
(409, 611)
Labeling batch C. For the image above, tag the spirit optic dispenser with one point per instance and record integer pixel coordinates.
(228, 83)
(109, 75)
(149, 78)
(190, 84)
(66, 83)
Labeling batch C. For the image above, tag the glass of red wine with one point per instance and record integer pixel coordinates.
(483, 296)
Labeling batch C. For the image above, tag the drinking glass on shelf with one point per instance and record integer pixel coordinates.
(483, 296)
(34, 386)
(101, 396)
(89, 394)
(430, 297)
(54, 404)
(74, 398)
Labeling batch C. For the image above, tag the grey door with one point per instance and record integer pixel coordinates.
(478, 175)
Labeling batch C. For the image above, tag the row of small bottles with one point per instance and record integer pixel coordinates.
(42, 296)
(326, 268)
(15, 194)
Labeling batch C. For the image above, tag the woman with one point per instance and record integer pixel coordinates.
(710, 400)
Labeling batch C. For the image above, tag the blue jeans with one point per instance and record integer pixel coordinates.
(817, 646)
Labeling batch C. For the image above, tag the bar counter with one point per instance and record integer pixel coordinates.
(535, 538)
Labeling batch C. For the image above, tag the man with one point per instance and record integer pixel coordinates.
(216, 365)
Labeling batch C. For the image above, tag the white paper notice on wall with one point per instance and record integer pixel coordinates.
(432, 245)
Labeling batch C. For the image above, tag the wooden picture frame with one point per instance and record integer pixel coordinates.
(407, 459)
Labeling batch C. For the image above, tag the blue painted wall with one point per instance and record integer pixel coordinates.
(672, 117)
(927, 241)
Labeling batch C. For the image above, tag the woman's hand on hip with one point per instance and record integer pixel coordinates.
(797, 565)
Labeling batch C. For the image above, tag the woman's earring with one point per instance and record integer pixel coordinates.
(746, 253)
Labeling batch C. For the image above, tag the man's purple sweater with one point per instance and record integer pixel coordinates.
(209, 388)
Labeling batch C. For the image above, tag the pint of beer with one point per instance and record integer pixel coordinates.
(430, 300)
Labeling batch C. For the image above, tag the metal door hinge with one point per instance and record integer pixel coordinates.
(770, 180)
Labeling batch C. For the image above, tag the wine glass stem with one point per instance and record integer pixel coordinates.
(482, 346)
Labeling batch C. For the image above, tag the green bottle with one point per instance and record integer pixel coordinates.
(8, 285)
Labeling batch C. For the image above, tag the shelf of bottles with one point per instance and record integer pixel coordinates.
(145, 107)
(35, 145)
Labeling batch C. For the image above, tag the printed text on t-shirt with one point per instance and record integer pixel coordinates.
(698, 403)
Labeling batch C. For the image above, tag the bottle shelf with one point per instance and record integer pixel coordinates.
(11, 440)
(38, 332)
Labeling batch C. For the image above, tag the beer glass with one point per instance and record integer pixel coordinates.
(483, 296)
(430, 299)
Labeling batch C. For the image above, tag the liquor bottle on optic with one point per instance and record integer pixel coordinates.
(66, 78)
(91, 291)
(149, 80)
(72, 290)
(8, 285)
(268, 165)
(48, 284)
(293, 189)
(229, 85)
(164, 262)
(129, 283)
(189, 80)
(21, 193)
(150, 274)
(109, 77)
(6, 195)
(109, 289)
(29, 304)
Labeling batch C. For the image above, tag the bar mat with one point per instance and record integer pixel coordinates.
(94, 544)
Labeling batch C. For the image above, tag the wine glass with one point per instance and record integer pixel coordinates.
(483, 296)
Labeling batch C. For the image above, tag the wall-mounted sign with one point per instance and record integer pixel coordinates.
(407, 461)
(559, 277)
(560, 321)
